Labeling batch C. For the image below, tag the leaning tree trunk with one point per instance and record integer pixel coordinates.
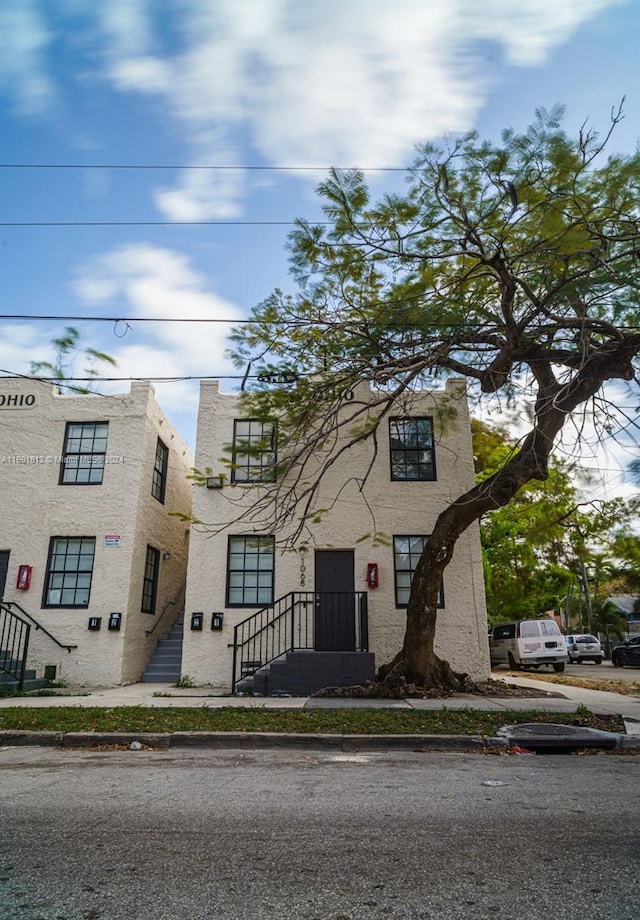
(416, 662)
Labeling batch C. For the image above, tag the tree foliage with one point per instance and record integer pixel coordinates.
(514, 265)
(536, 547)
(67, 351)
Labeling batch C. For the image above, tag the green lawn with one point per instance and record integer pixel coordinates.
(140, 719)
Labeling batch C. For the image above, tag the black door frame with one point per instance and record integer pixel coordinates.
(4, 570)
(335, 607)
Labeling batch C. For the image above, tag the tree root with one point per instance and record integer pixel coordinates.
(393, 683)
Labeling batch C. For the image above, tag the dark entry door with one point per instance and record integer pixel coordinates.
(335, 621)
(4, 566)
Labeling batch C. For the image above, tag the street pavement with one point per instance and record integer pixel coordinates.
(313, 834)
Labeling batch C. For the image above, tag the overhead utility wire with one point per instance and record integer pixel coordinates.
(46, 317)
(64, 381)
(178, 378)
(153, 223)
(202, 166)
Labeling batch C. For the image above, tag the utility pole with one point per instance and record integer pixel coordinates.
(587, 596)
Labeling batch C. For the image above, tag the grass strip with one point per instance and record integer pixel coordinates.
(141, 719)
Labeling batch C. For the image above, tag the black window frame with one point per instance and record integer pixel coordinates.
(247, 589)
(408, 444)
(96, 457)
(52, 573)
(160, 471)
(255, 463)
(396, 586)
(150, 579)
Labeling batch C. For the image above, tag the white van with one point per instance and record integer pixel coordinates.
(528, 644)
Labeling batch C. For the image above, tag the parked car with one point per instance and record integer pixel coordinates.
(627, 654)
(528, 644)
(584, 647)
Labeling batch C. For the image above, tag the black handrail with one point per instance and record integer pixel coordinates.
(172, 603)
(37, 625)
(323, 621)
(14, 644)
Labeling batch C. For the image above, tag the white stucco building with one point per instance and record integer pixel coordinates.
(341, 593)
(88, 547)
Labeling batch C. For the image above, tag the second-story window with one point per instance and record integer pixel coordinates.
(411, 449)
(160, 470)
(83, 453)
(150, 580)
(254, 451)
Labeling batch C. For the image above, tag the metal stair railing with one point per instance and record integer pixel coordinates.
(14, 644)
(180, 593)
(37, 625)
(289, 624)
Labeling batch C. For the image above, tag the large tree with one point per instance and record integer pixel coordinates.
(513, 265)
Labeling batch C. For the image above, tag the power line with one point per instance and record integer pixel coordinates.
(211, 167)
(48, 317)
(154, 223)
(64, 381)
(177, 378)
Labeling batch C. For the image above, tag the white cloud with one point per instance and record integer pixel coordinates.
(146, 282)
(23, 343)
(318, 82)
(24, 38)
(202, 194)
(328, 82)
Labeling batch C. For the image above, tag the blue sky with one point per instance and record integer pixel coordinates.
(275, 84)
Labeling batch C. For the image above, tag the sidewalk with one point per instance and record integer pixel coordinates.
(566, 699)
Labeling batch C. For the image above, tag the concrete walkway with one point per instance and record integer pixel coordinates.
(565, 699)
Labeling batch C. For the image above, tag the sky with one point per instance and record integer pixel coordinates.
(110, 110)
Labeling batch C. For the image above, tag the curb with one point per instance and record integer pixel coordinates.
(247, 741)
(256, 741)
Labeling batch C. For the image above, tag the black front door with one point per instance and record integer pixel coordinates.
(4, 566)
(335, 621)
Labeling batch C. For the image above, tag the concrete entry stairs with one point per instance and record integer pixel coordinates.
(302, 672)
(165, 665)
(15, 630)
(9, 682)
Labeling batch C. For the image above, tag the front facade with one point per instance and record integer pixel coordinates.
(88, 547)
(349, 591)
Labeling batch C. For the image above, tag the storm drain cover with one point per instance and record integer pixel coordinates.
(553, 737)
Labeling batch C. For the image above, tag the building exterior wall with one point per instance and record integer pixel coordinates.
(390, 508)
(120, 513)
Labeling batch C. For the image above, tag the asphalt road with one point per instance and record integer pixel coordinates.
(604, 671)
(315, 836)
